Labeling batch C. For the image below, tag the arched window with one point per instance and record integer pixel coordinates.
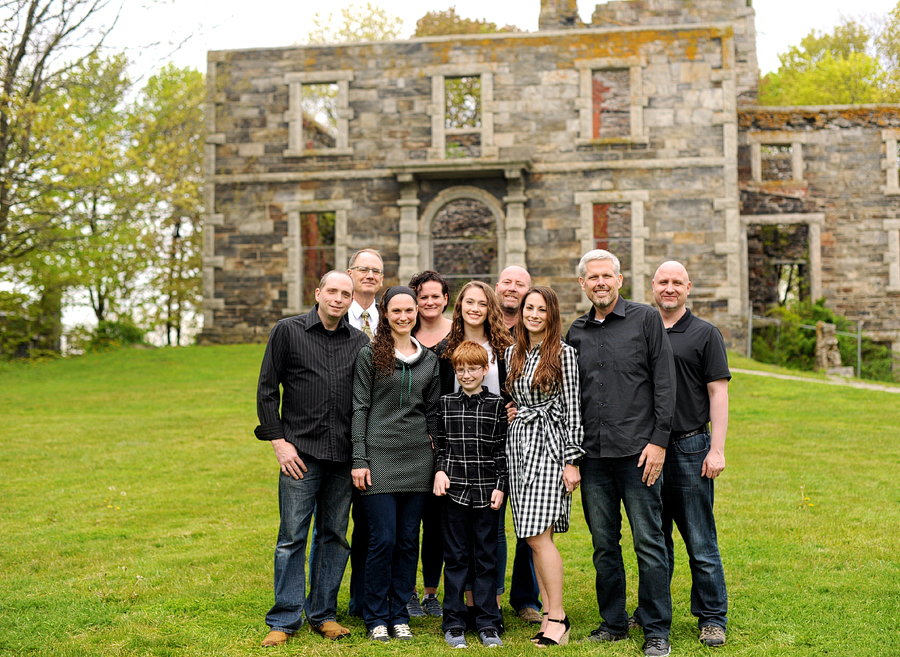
(463, 239)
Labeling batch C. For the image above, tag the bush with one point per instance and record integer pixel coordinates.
(112, 334)
(790, 345)
(16, 325)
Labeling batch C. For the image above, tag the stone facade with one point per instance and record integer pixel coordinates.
(648, 113)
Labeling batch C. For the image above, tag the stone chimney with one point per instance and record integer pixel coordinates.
(559, 15)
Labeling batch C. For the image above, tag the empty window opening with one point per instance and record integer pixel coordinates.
(462, 116)
(778, 265)
(612, 232)
(611, 104)
(318, 103)
(464, 243)
(317, 251)
(775, 160)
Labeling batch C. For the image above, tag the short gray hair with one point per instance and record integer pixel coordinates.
(324, 280)
(361, 251)
(597, 254)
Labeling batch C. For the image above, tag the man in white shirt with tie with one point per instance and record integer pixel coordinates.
(367, 270)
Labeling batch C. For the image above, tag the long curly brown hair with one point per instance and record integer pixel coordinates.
(548, 375)
(494, 328)
(383, 356)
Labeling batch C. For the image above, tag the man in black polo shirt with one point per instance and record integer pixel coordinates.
(308, 368)
(627, 401)
(696, 453)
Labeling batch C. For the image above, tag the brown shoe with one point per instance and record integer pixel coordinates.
(529, 614)
(331, 630)
(712, 636)
(275, 638)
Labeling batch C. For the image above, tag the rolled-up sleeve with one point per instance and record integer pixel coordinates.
(268, 396)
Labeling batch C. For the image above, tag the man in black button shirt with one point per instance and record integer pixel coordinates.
(627, 401)
(696, 453)
(311, 359)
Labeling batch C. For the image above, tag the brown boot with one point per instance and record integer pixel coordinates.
(275, 638)
(331, 630)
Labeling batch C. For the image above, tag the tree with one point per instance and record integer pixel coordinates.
(40, 40)
(838, 68)
(168, 142)
(438, 23)
(369, 23)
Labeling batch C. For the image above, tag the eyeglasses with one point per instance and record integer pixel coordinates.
(366, 270)
(468, 370)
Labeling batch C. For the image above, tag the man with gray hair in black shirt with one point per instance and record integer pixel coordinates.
(627, 402)
(307, 371)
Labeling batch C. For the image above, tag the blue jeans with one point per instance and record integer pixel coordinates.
(359, 549)
(393, 556)
(688, 501)
(605, 485)
(523, 589)
(325, 489)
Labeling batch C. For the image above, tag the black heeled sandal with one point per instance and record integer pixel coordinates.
(537, 637)
(563, 640)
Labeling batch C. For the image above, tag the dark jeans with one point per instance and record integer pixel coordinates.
(393, 555)
(523, 589)
(432, 542)
(605, 485)
(470, 544)
(359, 549)
(688, 501)
(325, 489)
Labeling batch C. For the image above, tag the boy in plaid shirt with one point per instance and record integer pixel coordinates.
(470, 473)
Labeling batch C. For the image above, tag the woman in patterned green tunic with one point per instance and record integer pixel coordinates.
(395, 406)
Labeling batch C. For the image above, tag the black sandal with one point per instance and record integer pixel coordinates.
(563, 640)
(537, 637)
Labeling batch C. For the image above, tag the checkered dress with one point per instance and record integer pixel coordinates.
(544, 435)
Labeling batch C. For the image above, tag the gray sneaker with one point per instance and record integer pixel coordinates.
(401, 632)
(712, 636)
(414, 607)
(432, 605)
(657, 646)
(605, 636)
(490, 638)
(379, 633)
(456, 638)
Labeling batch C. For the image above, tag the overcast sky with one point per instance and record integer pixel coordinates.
(200, 25)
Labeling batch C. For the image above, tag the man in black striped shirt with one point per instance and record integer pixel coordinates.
(308, 370)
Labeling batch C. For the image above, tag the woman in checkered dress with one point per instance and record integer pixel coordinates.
(543, 445)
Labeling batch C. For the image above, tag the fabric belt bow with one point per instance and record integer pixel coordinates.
(547, 436)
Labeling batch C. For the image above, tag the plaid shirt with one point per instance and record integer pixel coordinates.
(470, 447)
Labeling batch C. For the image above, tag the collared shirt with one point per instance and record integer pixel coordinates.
(470, 447)
(700, 358)
(354, 316)
(314, 370)
(627, 380)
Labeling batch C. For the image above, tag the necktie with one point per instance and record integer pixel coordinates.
(365, 324)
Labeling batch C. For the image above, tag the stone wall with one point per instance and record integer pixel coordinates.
(842, 194)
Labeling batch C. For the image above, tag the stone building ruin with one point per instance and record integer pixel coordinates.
(638, 132)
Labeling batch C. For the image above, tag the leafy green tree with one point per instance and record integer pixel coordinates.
(438, 23)
(837, 68)
(168, 125)
(357, 23)
(40, 40)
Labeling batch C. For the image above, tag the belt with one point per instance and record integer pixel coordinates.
(682, 436)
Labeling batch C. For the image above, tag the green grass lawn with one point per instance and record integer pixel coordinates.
(139, 515)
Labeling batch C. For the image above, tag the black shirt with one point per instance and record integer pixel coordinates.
(627, 380)
(314, 368)
(470, 447)
(700, 358)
